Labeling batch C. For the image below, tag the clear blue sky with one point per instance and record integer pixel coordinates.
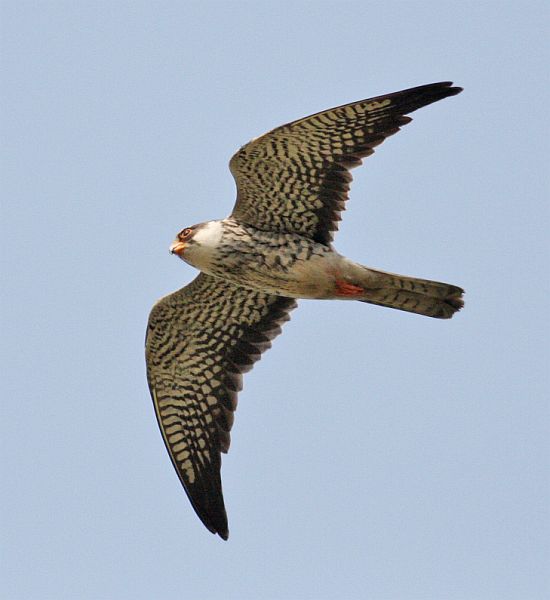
(376, 454)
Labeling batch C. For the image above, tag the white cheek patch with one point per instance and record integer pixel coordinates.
(209, 235)
(204, 245)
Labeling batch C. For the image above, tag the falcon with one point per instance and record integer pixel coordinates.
(275, 247)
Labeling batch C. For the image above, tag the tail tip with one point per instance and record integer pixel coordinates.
(453, 303)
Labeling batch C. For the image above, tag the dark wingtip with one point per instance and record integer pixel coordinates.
(207, 501)
(438, 91)
(216, 523)
(412, 99)
(451, 90)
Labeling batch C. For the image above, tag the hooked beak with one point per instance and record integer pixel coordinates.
(177, 248)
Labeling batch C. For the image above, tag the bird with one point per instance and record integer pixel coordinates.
(273, 249)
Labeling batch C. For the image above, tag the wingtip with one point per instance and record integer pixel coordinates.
(220, 529)
(447, 88)
(410, 100)
(453, 90)
(215, 523)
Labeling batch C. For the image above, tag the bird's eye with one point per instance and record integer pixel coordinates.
(185, 233)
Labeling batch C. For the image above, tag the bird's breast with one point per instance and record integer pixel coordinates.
(278, 263)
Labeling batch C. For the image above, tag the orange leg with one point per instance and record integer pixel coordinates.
(344, 288)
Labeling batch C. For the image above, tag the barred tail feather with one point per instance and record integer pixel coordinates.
(420, 296)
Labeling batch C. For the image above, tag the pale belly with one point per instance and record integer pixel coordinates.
(314, 277)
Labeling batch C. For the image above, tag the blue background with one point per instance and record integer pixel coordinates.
(376, 454)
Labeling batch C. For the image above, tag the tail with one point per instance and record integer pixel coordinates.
(420, 296)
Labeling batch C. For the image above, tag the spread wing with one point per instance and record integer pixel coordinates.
(200, 340)
(296, 177)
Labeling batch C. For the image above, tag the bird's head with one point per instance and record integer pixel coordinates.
(197, 244)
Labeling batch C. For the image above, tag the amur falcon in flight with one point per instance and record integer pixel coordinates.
(275, 247)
